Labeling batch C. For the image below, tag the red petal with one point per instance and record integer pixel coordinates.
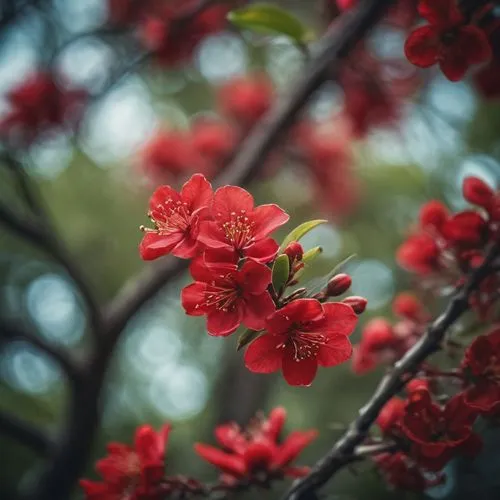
(150, 445)
(222, 323)
(230, 200)
(267, 218)
(217, 257)
(454, 66)
(338, 349)
(154, 245)
(474, 43)
(212, 235)
(263, 250)
(304, 310)
(257, 309)
(299, 372)
(293, 446)
(340, 319)
(187, 248)
(263, 355)
(254, 278)
(197, 192)
(98, 491)
(422, 47)
(440, 12)
(278, 323)
(230, 437)
(258, 455)
(275, 422)
(161, 195)
(433, 214)
(232, 464)
(465, 228)
(193, 299)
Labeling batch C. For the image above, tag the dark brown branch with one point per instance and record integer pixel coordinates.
(11, 330)
(342, 452)
(17, 429)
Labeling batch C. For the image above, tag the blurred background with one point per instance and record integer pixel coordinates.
(96, 181)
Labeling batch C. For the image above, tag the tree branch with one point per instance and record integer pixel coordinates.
(342, 452)
(15, 428)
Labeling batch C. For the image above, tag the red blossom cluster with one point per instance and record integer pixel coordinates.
(40, 103)
(384, 343)
(251, 457)
(445, 246)
(233, 257)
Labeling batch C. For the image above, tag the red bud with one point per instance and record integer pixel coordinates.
(433, 214)
(358, 304)
(408, 306)
(417, 384)
(294, 251)
(338, 285)
(477, 192)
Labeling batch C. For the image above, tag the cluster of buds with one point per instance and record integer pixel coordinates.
(447, 246)
(241, 276)
(251, 457)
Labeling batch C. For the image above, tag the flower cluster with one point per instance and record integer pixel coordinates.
(235, 271)
(445, 246)
(251, 457)
(456, 37)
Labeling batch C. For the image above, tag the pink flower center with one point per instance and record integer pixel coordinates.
(239, 230)
(304, 344)
(171, 216)
(223, 298)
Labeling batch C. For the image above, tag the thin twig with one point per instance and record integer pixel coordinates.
(21, 431)
(342, 452)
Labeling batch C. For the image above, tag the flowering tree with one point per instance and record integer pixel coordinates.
(427, 410)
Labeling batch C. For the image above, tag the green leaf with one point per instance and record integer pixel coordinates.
(246, 337)
(270, 19)
(301, 231)
(281, 272)
(311, 254)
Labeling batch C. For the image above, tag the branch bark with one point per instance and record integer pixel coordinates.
(342, 452)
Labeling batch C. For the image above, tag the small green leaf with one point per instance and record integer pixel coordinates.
(270, 19)
(281, 272)
(301, 231)
(246, 337)
(311, 254)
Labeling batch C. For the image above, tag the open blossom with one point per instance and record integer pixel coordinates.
(301, 336)
(257, 453)
(228, 295)
(481, 370)
(177, 218)
(240, 226)
(438, 434)
(446, 40)
(131, 472)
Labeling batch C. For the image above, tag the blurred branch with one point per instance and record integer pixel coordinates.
(13, 331)
(343, 451)
(15, 428)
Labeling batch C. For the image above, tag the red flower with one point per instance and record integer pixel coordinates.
(438, 434)
(446, 40)
(131, 472)
(433, 215)
(300, 336)
(401, 472)
(390, 416)
(408, 306)
(228, 295)
(419, 253)
(481, 368)
(177, 217)
(38, 103)
(255, 453)
(241, 227)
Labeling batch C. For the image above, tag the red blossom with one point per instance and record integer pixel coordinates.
(177, 218)
(401, 472)
(390, 416)
(438, 434)
(301, 336)
(228, 295)
(419, 253)
(446, 40)
(433, 215)
(39, 103)
(481, 370)
(256, 453)
(131, 472)
(240, 226)
(408, 306)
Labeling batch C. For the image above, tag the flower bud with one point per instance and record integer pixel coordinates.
(358, 304)
(377, 334)
(338, 285)
(433, 214)
(477, 192)
(294, 251)
(408, 306)
(417, 384)
(391, 414)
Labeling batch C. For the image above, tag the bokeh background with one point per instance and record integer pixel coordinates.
(166, 367)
